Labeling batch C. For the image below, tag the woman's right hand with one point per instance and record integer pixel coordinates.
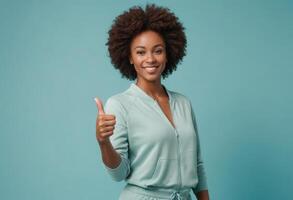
(105, 124)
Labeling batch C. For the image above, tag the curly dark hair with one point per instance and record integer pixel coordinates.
(136, 20)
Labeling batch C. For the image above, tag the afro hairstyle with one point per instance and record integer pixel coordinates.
(137, 20)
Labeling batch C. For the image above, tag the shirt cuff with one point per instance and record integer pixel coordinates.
(120, 172)
(202, 181)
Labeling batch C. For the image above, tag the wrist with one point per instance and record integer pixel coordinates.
(105, 142)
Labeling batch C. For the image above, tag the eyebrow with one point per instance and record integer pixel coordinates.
(157, 45)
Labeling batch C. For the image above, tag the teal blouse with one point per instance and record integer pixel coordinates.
(154, 153)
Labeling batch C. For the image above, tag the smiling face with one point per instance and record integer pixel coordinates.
(148, 55)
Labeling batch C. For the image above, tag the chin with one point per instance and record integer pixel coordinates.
(152, 78)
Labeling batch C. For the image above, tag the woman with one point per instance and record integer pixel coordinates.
(147, 134)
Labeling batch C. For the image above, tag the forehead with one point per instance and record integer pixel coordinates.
(147, 39)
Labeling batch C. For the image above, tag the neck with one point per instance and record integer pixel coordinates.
(153, 89)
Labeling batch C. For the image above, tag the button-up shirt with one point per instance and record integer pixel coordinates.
(154, 153)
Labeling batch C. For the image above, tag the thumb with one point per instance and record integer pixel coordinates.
(99, 105)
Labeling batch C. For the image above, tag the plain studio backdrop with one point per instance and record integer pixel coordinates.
(238, 73)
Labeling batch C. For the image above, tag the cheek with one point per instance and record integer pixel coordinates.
(137, 60)
(163, 60)
(137, 67)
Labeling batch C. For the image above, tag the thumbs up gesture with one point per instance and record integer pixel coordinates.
(105, 124)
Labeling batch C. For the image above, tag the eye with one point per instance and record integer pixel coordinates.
(140, 52)
(159, 51)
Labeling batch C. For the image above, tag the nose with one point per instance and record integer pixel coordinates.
(150, 58)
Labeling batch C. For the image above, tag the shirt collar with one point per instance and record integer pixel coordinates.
(141, 93)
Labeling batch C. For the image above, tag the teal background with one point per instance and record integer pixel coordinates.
(237, 73)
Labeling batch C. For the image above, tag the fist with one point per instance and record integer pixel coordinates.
(105, 124)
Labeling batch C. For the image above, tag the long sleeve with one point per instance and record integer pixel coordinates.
(202, 179)
(119, 139)
(154, 154)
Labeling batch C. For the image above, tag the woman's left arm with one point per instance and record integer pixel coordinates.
(201, 190)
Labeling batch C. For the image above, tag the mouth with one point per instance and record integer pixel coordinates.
(150, 69)
(151, 66)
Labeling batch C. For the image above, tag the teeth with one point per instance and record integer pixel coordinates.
(150, 69)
